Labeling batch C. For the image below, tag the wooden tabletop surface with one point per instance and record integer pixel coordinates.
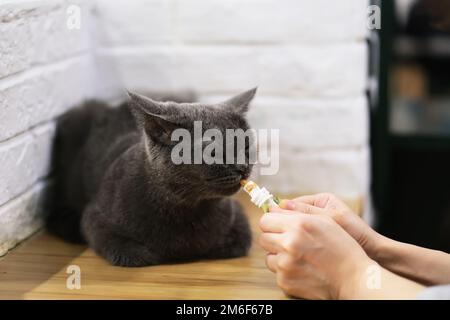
(37, 270)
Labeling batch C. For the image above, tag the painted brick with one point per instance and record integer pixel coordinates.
(342, 171)
(22, 216)
(331, 71)
(131, 22)
(24, 160)
(42, 93)
(35, 32)
(270, 21)
(309, 123)
(231, 21)
(314, 123)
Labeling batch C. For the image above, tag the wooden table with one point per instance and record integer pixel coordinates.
(37, 270)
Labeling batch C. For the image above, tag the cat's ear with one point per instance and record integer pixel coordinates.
(240, 102)
(150, 117)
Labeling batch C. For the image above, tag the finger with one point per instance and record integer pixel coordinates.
(302, 207)
(320, 200)
(275, 222)
(281, 210)
(308, 199)
(287, 204)
(271, 262)
(298, 208)
(271, 242)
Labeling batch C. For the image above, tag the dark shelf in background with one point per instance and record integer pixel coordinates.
(416, 47)
(421, 141)
(411, 156)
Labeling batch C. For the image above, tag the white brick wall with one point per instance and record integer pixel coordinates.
(25, 160)
(45, 68)
(308, 58)
(22, 216)
(310, 123)
(230, 21)
(341, 170)
(34, 32)
(282, 70)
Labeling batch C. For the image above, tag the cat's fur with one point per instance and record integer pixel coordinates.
(118, 190)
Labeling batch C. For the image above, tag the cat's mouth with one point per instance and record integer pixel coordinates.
(226, 185)
(228, 180)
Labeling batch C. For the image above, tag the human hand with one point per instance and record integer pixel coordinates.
(312, 256)
(330, 205)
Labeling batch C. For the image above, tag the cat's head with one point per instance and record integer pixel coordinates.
(174, 139)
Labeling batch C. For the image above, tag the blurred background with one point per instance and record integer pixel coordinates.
(362, 113)
(411, 123)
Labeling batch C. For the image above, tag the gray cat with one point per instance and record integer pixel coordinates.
(118, 190)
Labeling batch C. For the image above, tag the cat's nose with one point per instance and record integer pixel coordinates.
(243, 169)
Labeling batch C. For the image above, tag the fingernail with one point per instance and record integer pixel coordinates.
(289, 205)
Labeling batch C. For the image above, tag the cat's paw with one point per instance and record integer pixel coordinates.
(120, 260)
(131, 258)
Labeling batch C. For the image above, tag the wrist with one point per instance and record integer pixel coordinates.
(381, 248)
(355, 282)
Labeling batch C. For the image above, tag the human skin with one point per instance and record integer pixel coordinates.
(426, 266)
(313, 257)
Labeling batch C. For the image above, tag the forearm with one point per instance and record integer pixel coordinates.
(429, 267)
(380, 283)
